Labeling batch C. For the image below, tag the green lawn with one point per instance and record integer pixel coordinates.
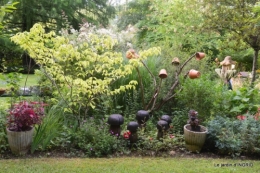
(129, 165)
(31, 81)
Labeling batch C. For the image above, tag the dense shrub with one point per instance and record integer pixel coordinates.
(180, 117)
(241, 101)
(3, 137)
(202, 94)
(95, 140)
(233, 136)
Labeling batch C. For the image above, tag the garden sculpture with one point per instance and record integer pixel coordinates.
(226, 72)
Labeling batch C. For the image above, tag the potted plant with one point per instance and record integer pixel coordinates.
(194, 134)
(21, 119)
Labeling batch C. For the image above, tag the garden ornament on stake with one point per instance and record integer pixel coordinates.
(115, 121)
(133, 127)
(162, 127)
(153, 105)
(227, 71)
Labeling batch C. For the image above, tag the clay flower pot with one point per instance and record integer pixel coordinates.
(176, 61)
(163, 74)
(200, 55)
(193, 74)
(131, 54)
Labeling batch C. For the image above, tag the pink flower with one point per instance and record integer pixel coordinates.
(172, 136)
(241, 117)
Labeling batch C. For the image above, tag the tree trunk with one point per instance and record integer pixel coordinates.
(256, 51)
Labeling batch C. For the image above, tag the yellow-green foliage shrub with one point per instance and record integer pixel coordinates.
(82, 65)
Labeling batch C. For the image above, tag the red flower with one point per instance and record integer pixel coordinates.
(172, 136)
(241, 117)
(127, 134)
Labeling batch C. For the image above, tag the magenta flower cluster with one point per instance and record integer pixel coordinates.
(24, 115)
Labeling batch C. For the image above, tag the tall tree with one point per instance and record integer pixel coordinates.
(174, 26)
(6, 8)
(135, 11)
(55, 13)
(237, 18)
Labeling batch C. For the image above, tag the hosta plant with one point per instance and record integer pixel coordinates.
(24, 115)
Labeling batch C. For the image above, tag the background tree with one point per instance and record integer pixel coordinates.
(236, 19)
(134, 12)
(6, 47)
(54, 15)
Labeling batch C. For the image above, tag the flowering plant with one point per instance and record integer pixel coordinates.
(23, 115)
(127, 134)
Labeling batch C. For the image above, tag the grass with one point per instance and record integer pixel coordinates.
(31, 80)
(128, 165)
(26, 81)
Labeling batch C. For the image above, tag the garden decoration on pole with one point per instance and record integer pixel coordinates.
(153, 105)
(194, 134)
(163, 126)
(133, 136)
(115, 121)
(227, 71)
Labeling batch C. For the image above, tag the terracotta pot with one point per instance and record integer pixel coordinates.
(200, 55)
(20, 142)
(176, 61)
(194, 141)
(131, 54)
(163, 74)
(193, 74)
